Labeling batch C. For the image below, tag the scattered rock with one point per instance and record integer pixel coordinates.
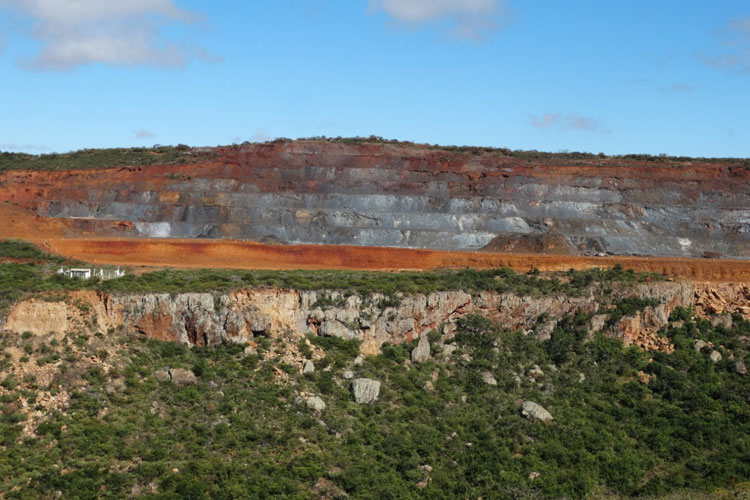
(427, 468)
(643, 377)
(535, 373)
(250, 351)
(359, 360)
(488, 378)
(180, 376)
(740, 368)
(308, 367)
(598, 323)
(424, 483)
(421, 353)
(533, 475)
(581, 378)
(699, 344)
(161, 375)
(366, 391)
(158, 408)
(724, 320)
(544, 332)
(715, 356)
(448, 350)
(534, 411)
(315, 403)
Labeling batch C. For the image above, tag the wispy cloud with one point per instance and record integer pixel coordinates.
(470, 19)
(123, 33)
(26, 148)
(144, 134)
(678, 87)
(569, 121)
(735, 56)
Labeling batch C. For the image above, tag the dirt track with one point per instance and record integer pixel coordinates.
(249, 255)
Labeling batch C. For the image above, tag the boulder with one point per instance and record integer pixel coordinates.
(535, 373)
(715, 356)
(308, 367)
(348, 374)
(421, 353)
(534, 411)
(180, 376)
(740, 368)
(315, 403)
(365, 390)
(161, 375)
(488, 378)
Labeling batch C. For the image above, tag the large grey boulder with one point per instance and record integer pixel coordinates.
(421, 353)
(365, 390)
(534, 411)
(180, 376)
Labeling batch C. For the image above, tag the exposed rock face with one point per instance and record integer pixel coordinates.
(400, 196)
(240, 316)
(534, 411)
(365, 390)
(723, 299)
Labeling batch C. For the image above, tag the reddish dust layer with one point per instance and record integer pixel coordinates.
(247, 255)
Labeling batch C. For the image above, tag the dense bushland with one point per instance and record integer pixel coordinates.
(626, 423)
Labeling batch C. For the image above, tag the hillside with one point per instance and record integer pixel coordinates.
(389, 194)
(333, 384)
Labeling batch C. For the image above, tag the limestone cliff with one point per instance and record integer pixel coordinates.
(242, 315)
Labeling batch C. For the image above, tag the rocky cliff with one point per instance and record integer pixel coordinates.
(244, 316)
(407, 196)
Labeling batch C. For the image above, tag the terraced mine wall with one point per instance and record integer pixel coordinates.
(403, 196)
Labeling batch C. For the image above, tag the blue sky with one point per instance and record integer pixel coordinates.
(631, 76)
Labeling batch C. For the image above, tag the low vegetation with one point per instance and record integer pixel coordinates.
(36, 273)
(99, 158)
(627, 424)
(116, 157)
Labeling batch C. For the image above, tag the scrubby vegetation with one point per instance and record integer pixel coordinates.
(98, 158)
(37, 274)
(626, 423)
(115, 157)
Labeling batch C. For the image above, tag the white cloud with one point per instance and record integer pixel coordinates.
(144, 134)
(569, 121)
(736, 53)
(117, 32)
(471, 18)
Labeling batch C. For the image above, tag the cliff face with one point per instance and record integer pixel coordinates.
(386, 195)
(245, 315)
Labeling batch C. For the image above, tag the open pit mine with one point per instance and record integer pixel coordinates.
(333, 204)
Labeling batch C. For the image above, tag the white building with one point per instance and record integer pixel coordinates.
(85, 273)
